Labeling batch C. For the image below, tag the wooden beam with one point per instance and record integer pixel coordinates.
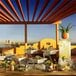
(3, 17)
(6, 9)
(43, 8)
(25, 36)
(26, 22)
(12, 7)
(27, 7)
(25, 33)
(57, 32)
(57, 35)
(20, 8)
(39, 45)
(65, 14)
(35, 9)
(60, 7)
(65, 8)
(2, 20)
(49, 9)
(6, 15)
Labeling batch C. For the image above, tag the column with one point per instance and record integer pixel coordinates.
(57, 35)
(39, 45)
(25, 35)
(65, 54)
(57, 32)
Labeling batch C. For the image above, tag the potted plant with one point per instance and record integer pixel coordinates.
(49, 65)
(65, 31)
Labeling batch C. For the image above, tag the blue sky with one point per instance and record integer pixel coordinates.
(36, 32)
(12, 32)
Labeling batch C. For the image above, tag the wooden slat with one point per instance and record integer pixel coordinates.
(43, 8)
(64, 9)
(70, 6)
(3, 17)
(61, 6)
(66, 14)
(49, 9)
(7, 10)
(6, 15)
(27, 22)
(27, 7)
(2, 20)
(35, 9)
(20, 8)
(11, 5)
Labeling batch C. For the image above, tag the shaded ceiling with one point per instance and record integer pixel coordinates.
(35, 11)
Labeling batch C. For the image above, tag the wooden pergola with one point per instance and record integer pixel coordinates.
(48, 12)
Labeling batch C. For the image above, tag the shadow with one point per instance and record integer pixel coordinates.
(73, 54)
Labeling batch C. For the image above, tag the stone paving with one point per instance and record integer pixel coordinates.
(35, 73)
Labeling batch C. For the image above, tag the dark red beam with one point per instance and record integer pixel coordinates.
(27, 7)
(43, 8)
(3, 17)
(26, 22)
(60, 7)
(25, 33)
(64, 9)
(12, 7)
(20, 8)
(2, 20)
(35, 9)
(7, 10)
(6, 15)
(49, 9)
(65, 14)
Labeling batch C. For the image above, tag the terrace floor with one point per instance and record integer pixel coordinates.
(36, 73)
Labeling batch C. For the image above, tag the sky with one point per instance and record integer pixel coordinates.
(36, 32)
(11, 32)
